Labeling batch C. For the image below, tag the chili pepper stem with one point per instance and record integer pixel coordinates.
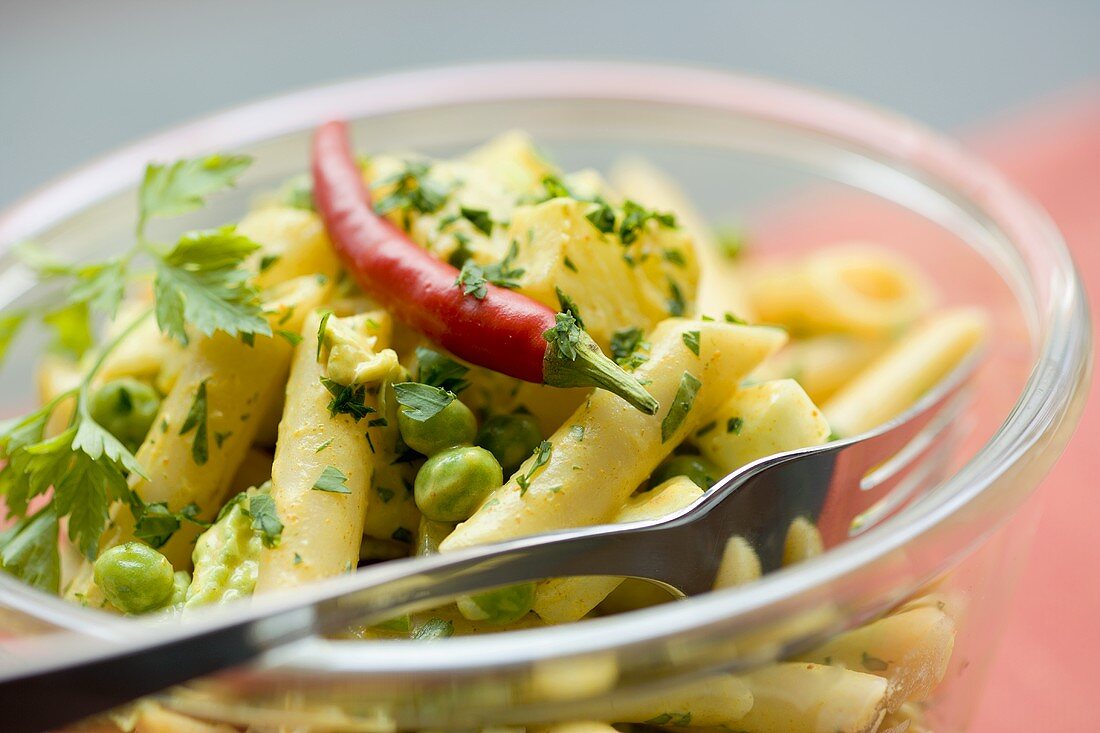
(589, 367)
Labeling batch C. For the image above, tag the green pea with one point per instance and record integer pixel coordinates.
(698, 469)
(126, 408)
(451, 426)
(511, 438)
(451, 485)
(500, 605)
(135, 578)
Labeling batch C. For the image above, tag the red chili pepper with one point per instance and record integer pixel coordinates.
(504, 331)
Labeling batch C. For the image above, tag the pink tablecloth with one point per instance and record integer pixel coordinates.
(1045, 677)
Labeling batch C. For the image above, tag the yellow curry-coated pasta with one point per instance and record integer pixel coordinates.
(720, 288)
(561, 600)
(798, 697)
(560, 250)
(910, 650)
(822, 364)
(910, 368)
(294, 243)
(739, 565)
(761, 420)
(239, 380)
(321, 529)
(855, 289)
(722, 700)
(607, 448)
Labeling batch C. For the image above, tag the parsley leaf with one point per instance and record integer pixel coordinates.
(28, 550)
(681, 405)
(479, 218)
(265, 519)
(72, 329)
(439, 370)
(412, 189)
(602, 217)
(200, 281)
(566, 335)
(635, 217)
(171, 190)
(734, 425)
(691, 340)
(322, 329)
(421, 402)
(10, 323)
(156, 523)
(627, 345)
(196, 420)
(434, 628)
(873, 664)
(347, 399)
(568, 305)
(677, 306)
(333, 480)
(542, 457)
(471, 278)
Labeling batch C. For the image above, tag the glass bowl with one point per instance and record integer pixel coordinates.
(799, 168)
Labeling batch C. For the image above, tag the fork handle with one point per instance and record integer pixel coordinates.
(106, 674)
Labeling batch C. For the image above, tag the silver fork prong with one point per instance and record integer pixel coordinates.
(879, 478)
(923, 467)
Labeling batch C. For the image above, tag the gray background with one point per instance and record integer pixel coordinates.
(79, 77)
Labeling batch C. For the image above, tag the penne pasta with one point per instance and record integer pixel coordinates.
(812, 698)
(910, 368)
(821, 364)
(855, 289)
(724, 700)
(321, 476)
(721, 289)
(759, 421)
(909, 649)
(561, 600)
(584, 478)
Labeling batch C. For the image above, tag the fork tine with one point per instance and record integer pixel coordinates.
(870, 461)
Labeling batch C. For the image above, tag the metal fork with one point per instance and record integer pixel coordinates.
(843, 487)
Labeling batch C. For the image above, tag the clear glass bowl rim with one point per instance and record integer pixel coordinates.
(1058, 373)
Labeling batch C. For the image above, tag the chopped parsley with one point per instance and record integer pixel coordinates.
(474, 278)
(386, 495)
(706, 429)
(569, 264)
(347, 399)
(402, 535)
(681, 405)
(322, 329)
(221, 436)
(333, 480)
(439, 370)
(873, 664)
(734, 425)
(324, 445)
(156, 523)
(412, 190)
(421, 402)
(677, 306)
(434, 628)
(673, 719)
(568, 305)
(265, 519)
(691, 340)
(635, 217)
(542, 457)
(627, 345)
(196, 420)
(479, 218)
(602, 217)
(291, 338)
(675, 257)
